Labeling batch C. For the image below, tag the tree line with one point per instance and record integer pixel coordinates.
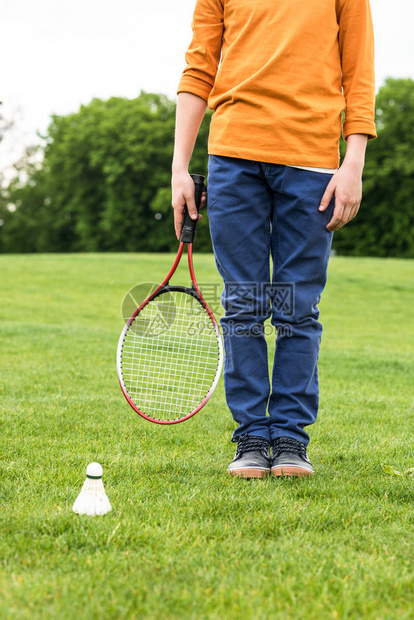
(102, 181)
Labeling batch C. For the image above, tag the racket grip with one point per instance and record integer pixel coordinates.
(189, 225)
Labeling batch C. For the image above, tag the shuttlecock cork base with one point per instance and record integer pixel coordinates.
(92, 500)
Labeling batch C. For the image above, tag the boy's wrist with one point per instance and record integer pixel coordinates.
(355, 152)
(356, 163)
(179, 167)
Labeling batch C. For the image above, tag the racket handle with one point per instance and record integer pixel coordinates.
(189, 225)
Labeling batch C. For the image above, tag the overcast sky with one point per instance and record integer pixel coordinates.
(56, 55)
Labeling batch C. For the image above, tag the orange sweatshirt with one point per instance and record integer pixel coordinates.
(279, 73)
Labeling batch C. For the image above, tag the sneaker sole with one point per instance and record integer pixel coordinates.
(249, 472)
(291, 470)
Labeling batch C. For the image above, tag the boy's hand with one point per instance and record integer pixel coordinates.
(183, 193)
(346, 184)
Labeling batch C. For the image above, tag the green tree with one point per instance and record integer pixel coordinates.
(105, 181)
(384, 225)
(23, 223)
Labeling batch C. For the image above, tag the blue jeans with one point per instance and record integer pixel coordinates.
(257, 210)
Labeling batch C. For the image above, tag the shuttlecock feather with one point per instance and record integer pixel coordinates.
(92, 500)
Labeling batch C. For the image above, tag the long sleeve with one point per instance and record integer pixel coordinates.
(356, 47)
(203, 54)
(278, 79)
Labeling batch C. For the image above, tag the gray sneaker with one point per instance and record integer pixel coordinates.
(252, 458)
(290, 458)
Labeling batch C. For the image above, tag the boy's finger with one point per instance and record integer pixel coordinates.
(191, 206)
(178, 223)
(336, 221)
(327, 197)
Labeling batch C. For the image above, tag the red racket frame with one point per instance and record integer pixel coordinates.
(138, 310)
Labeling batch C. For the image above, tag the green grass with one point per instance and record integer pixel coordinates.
(183, 539)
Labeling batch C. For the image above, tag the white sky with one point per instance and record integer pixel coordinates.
(56, 55)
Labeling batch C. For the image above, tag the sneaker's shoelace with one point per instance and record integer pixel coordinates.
(289, 444)
(250, 443)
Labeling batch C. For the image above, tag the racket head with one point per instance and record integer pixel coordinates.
(170, 356)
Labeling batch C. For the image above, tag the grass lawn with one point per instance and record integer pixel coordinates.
(184, 540)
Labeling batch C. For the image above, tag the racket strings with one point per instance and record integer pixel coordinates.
(170, 356)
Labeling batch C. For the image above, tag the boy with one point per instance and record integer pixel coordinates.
(278, 75)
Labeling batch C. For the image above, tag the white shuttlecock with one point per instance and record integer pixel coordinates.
(92, 500)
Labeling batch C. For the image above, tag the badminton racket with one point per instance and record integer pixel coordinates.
(170, 352)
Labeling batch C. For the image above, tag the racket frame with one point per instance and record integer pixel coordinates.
(195, 292)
